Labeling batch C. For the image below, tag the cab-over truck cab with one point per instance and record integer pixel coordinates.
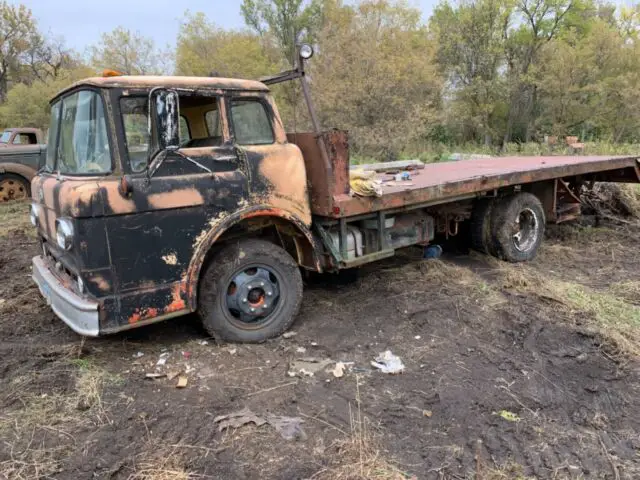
(149, 189)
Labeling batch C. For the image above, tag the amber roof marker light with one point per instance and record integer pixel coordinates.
(111, 73)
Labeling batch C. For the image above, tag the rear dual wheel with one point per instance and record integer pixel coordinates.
(481, 226)
(250, 291)
(510, 228)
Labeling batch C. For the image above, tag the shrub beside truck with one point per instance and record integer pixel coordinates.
(21, 150)
(162, 196)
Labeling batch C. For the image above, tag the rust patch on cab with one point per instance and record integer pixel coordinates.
(177, 302)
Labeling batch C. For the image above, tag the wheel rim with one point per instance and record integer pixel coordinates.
(253, 296)
(526, 230)
(11, 189)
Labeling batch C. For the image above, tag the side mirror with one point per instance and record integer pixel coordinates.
(164, 125)
(164, 119)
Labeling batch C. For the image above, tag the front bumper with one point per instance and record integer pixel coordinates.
(79, 313)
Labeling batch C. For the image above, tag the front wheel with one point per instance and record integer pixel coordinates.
(13, 187)
(249, 292)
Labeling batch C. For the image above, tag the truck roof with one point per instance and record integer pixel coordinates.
(22, 129)
(151, 81)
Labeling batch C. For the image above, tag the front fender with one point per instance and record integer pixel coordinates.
(219, 225)
(18, 169)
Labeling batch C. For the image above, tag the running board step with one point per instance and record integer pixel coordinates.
(371, 257)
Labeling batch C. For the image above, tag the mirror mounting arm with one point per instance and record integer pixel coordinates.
(155, 164)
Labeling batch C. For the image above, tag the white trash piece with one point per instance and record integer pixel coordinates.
(387, 362)
(163, 359)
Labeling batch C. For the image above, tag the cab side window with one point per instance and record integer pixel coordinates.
(136, 130)
(25, 139)
(251, 122)
(185, 132)
(212, 118)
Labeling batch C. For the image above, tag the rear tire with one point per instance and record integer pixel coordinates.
(480, 226)
(250, 291)
(13, 187)
(517, 225)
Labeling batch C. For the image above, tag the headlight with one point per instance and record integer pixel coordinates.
(34, 214)
(306, 51)
(64, 233)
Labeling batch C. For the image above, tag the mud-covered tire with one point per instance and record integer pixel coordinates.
(218, 291)
(14, 187)
(480, 226)
(517, 227)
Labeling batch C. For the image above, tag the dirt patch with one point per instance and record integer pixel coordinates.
(503, 377)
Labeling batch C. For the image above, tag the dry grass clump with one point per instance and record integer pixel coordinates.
(509, 471)
(15, 216)
(613, 313)
(520, 277)
(359, 456)
(162, 465)
(90, 384)
(614, 318)
(613, 199)
(36, 435)
(610, 312)
(451, 279)
(159, 461)
(34, 461)
(629, 291)
(35, 438)
(441, 272)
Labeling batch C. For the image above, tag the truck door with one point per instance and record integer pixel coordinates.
(153, 229)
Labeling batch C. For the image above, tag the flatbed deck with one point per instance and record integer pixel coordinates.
(448, 181)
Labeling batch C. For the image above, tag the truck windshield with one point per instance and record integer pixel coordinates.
(136, 130)
(53, 135)
(82, 141)
(5, 137)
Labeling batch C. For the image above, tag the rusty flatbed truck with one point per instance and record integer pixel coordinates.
(162, 196)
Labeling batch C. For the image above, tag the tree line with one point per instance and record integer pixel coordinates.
(484, 72)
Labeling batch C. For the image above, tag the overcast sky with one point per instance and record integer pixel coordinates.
(81, 22)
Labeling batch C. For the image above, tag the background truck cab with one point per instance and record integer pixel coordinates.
(21, 137)
(22, 150)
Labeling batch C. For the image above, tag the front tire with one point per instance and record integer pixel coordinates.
(517, 226)
(13, 187)
(250, 291)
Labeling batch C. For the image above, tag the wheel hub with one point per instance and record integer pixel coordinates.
(256, 296)
(253, 294)
(525, 230)
(11, 189)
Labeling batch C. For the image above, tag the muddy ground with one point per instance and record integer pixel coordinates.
(525, 371)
